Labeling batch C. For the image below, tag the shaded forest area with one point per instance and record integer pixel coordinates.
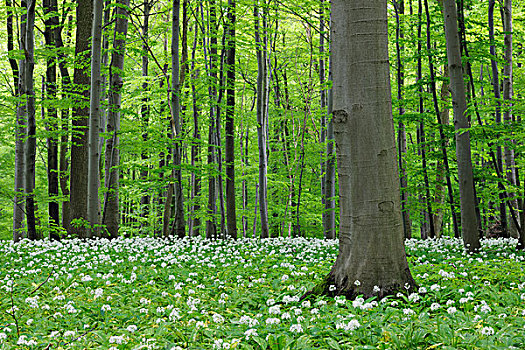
(214, 118)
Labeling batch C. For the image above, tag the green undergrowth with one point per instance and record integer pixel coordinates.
(146, 293)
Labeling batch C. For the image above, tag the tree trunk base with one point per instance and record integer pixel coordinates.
(328, 286)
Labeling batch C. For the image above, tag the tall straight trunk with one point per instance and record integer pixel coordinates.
(218, 139)
(442, 119)
(261, 125)
(244, 159)
(29, 47)
(330, 230)
(104, 82)
(401, 131)
(497, 113)
(371, 250)
(144, 110)
(230, 124)
(52, 22)
(500, 175)
(93, 205)
(20, 128)
(179, 223)
(442, 170)
(327, 136)
(79, 139)
(65, 130)
(194, 220)
(510, 161)
(422, 137)
(211, 65)
(111, 218)
(469, 225)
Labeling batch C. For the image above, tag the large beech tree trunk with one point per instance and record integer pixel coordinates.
(371, 249)
(79, 148)
(469, 227)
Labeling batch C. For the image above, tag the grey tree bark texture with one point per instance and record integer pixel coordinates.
(469, 228)
(93, 205)
(371, 247)
(111, 217)
(20, 135)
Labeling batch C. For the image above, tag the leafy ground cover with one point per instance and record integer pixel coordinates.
(146, 293)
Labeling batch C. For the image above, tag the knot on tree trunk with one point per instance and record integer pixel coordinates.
(340, 116)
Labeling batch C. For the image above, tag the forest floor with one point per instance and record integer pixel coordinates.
(145, 293)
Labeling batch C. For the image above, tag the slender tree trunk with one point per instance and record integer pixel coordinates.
(211, 225)
(510, 161)
(426, 213)
(401, 132)
(144, 112)
(469, 225)
(179, 221)
(65, 130)
(497, 113)
(29, 47)
(261, 125)
(327, 165)
(20, 127)
(441, 168)
(194, 220)
(371, 250)
(330, 166)
(93, 204)
(51, 22)
(230, 123)
(111, 218)
(79, 140)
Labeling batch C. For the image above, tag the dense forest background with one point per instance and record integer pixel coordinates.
(187, 101)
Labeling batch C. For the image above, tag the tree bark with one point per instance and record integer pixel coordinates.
(28, 41)
(51, 22)
(194, 220)
(497, 113)
(230, 124)
(79, 140)
(371, 249)
(510, 161)
(20, 127)
(261, 125)
(401, 131)
(93, 205)
(211, 222)
(145, 112)
(466, 180)
(179, 221)
(327, 135)
(111, 218)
